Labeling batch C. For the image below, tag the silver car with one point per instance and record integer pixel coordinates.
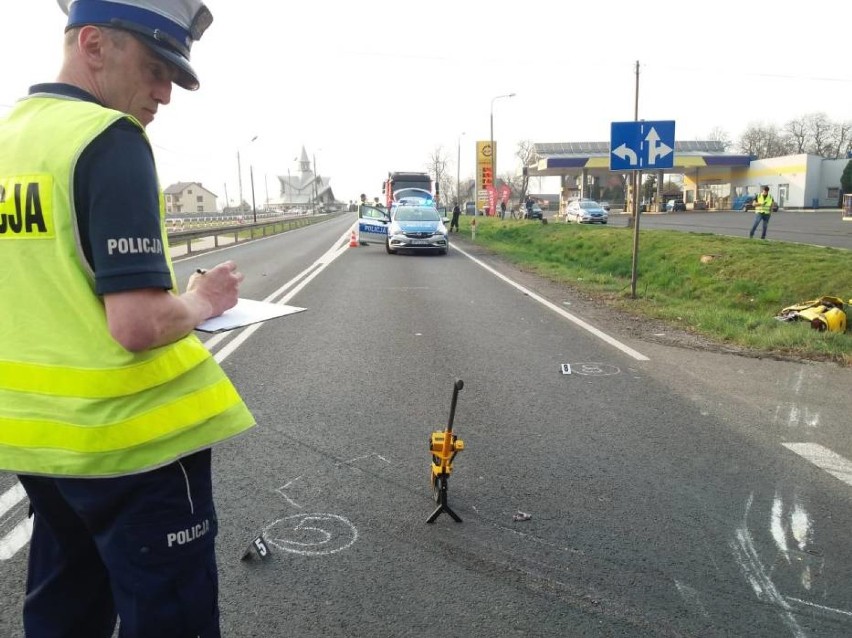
(417, 228)
(586, 211)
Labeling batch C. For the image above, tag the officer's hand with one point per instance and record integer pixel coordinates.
(219, 286)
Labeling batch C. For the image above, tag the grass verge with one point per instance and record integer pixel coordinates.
(728, 289)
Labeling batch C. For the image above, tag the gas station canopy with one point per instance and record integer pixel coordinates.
(573, 157)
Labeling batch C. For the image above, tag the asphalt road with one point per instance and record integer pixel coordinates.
(819, 228)
(662, 492)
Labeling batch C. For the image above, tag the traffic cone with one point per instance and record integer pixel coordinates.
(353, 240)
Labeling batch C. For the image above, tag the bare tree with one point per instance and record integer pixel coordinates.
(718, 134)
(814, 133)
(797, 132)
(438, 166)
(763, 140)
(820, 133)
(842, 139)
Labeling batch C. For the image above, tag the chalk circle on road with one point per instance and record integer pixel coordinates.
(591, 369)
(311, 534)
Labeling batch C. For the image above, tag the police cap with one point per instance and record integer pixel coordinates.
(168, 27)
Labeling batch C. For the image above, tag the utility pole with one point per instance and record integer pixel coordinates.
(240, 180)
(637, 180)
(458, 173)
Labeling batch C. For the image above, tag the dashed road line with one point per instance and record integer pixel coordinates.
(823, 458)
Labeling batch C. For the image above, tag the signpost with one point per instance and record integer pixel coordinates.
(635, 146)
(641, 145)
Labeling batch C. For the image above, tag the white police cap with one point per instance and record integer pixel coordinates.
(168, 27)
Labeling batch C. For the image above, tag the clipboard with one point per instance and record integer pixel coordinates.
(245, 313)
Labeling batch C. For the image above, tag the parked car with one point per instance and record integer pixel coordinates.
(586, 211)
(535, 213)
(675, 205)
(417, 228)
(469, 208)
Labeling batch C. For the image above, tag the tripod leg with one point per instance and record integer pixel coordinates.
(442, 503)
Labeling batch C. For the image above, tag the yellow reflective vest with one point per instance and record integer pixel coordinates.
(73, 401)
(763, 204)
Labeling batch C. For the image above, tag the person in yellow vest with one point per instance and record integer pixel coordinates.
(109, 404)
(762, 211)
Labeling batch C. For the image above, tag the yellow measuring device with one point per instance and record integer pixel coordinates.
(443, 446)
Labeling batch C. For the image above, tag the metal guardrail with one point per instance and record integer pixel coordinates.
(241, 232)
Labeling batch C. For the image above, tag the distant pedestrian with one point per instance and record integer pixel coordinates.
(503, 210)
(455, 221)
(763, 205)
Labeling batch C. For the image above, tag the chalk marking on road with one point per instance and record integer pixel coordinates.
(752, 567)
(365, 456)
(316, 268)
(342, 530)
(795, 414)
(832, 610)
(594, 369)
(12, 542)
(691, 597)
(824, 459)
(567, 315)
(281, 489)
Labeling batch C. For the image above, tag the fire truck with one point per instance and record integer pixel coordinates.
(399, 185)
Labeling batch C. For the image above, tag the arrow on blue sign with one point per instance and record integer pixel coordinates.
(640, 145)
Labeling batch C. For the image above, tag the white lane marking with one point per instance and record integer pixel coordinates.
(12, 542)
(11, 497)
(567, 315)
(317, 267)
(824, 458)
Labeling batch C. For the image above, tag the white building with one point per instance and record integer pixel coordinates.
(189, 197)
(795, 181)
(710, 177)
(301, 188)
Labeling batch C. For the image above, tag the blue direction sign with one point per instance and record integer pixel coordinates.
(636, 146)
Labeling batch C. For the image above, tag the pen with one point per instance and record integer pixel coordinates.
(201, 271)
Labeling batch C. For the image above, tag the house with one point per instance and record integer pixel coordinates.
(189, 197)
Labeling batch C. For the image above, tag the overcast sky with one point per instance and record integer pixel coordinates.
(375, 86)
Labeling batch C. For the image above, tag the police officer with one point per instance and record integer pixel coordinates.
(110, 404)
(762, 212)
(454, 223)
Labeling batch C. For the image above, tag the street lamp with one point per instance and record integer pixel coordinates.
(458, 173)
(253, 207)
(240, 170)
(493, 161)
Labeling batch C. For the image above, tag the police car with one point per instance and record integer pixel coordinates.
(413, 223)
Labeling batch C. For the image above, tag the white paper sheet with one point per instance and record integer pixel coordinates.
(245, 313)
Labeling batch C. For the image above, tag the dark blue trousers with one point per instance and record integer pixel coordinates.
(759, 219)
(137, 547)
